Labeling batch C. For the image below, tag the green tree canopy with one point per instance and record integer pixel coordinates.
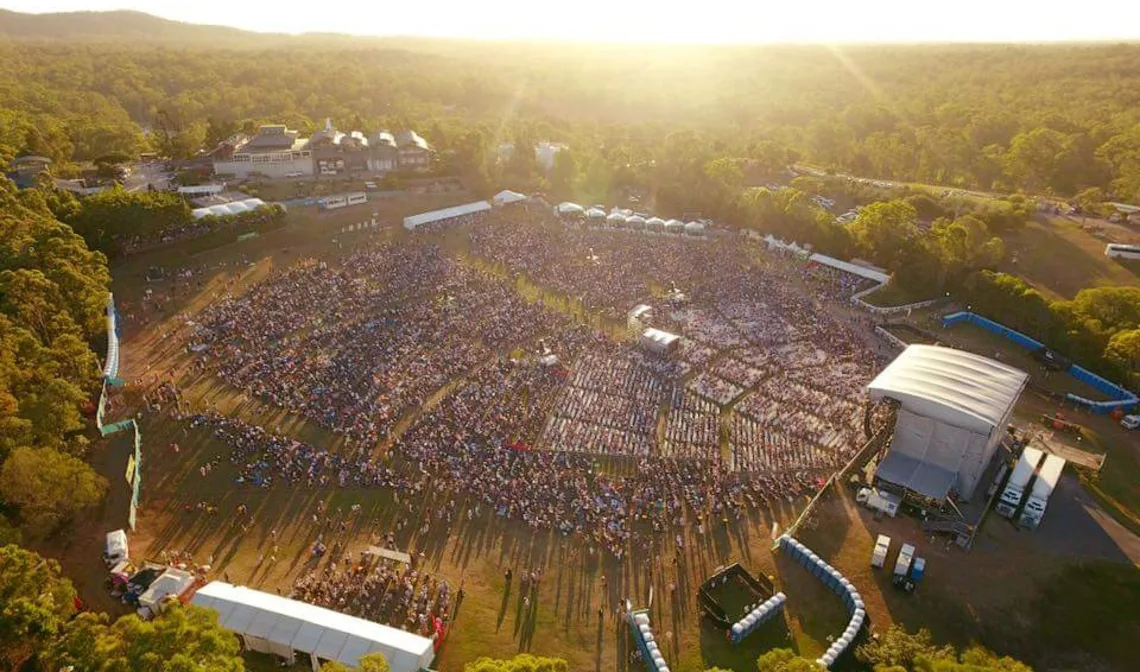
(524, 662)
(784, 660)
(48, 487)
(35, 603)
(180, 639)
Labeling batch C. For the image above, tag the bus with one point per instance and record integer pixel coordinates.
(1122, 251)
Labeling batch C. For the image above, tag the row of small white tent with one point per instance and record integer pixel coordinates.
(626, 218)
(232, 208)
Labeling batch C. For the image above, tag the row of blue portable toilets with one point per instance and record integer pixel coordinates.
(654, 661)
(759, 615)
(838, 585)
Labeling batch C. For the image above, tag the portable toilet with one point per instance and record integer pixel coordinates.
(918, 569)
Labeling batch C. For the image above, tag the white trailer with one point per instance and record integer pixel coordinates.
(882, 548)
(1043, 488)
(1018, 480)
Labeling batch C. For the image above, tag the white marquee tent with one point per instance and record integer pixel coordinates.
(507, 196)
(277, 625)
(413, 222)
(595, 213)
(659, 342)
(224, 209)
(616, 219)
(568, 208)
(954, 408)
(848, 267)
(694, 228)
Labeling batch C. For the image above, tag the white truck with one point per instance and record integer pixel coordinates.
(882, 547)
(1043, 487)
(902, 564)
(1130, 421)
(1018, 480)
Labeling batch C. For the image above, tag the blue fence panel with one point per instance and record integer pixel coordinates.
(1121, 398)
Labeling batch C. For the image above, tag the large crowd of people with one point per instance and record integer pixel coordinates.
(763, 400)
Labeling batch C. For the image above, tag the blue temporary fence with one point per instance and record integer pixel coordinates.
(838, 585)
(1119, 398)
(111, 378)
(111, 366)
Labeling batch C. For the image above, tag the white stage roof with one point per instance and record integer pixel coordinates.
(951, 386)
(413, 222)
(311, 629)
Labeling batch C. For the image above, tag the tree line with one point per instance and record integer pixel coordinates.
(1058, 118)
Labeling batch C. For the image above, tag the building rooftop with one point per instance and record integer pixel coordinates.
(953, 386)
(411, 138)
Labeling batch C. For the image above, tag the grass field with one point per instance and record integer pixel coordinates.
(894, 294)
(1060, 259)
(965, 598)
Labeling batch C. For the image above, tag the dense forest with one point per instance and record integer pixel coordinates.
(1043, 119)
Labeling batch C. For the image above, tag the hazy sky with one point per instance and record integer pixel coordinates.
(657, 20)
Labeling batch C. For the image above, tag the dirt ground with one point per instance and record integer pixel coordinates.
(966, 596)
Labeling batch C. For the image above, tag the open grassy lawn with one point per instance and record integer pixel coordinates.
(1060, 259)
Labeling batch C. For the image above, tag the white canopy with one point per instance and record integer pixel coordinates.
(659, 341)
(951, 386)
(413, 222)
(224, 209)
(616, 218)
(675, 224)
(694, 227)
(568, 208)
(292, 625)
(172, 582)
(655, 222)
(595, 213)
(636, 220)
(202, 189)
(507, 196)
(848, 267)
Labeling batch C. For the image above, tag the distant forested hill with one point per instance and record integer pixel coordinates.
(118, 25)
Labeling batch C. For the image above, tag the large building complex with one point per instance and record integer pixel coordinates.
(277, 151)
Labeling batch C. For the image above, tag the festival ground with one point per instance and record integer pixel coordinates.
(965, 598)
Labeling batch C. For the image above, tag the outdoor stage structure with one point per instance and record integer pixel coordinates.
(953, 410)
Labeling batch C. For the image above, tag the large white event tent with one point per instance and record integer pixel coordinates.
(954, 407)
(568, 208)
(507, 196)
(276, 625)
(616, 219)
(224, 209)
(596, 213)
(413, 222)
(675, 226)
(695, 228)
